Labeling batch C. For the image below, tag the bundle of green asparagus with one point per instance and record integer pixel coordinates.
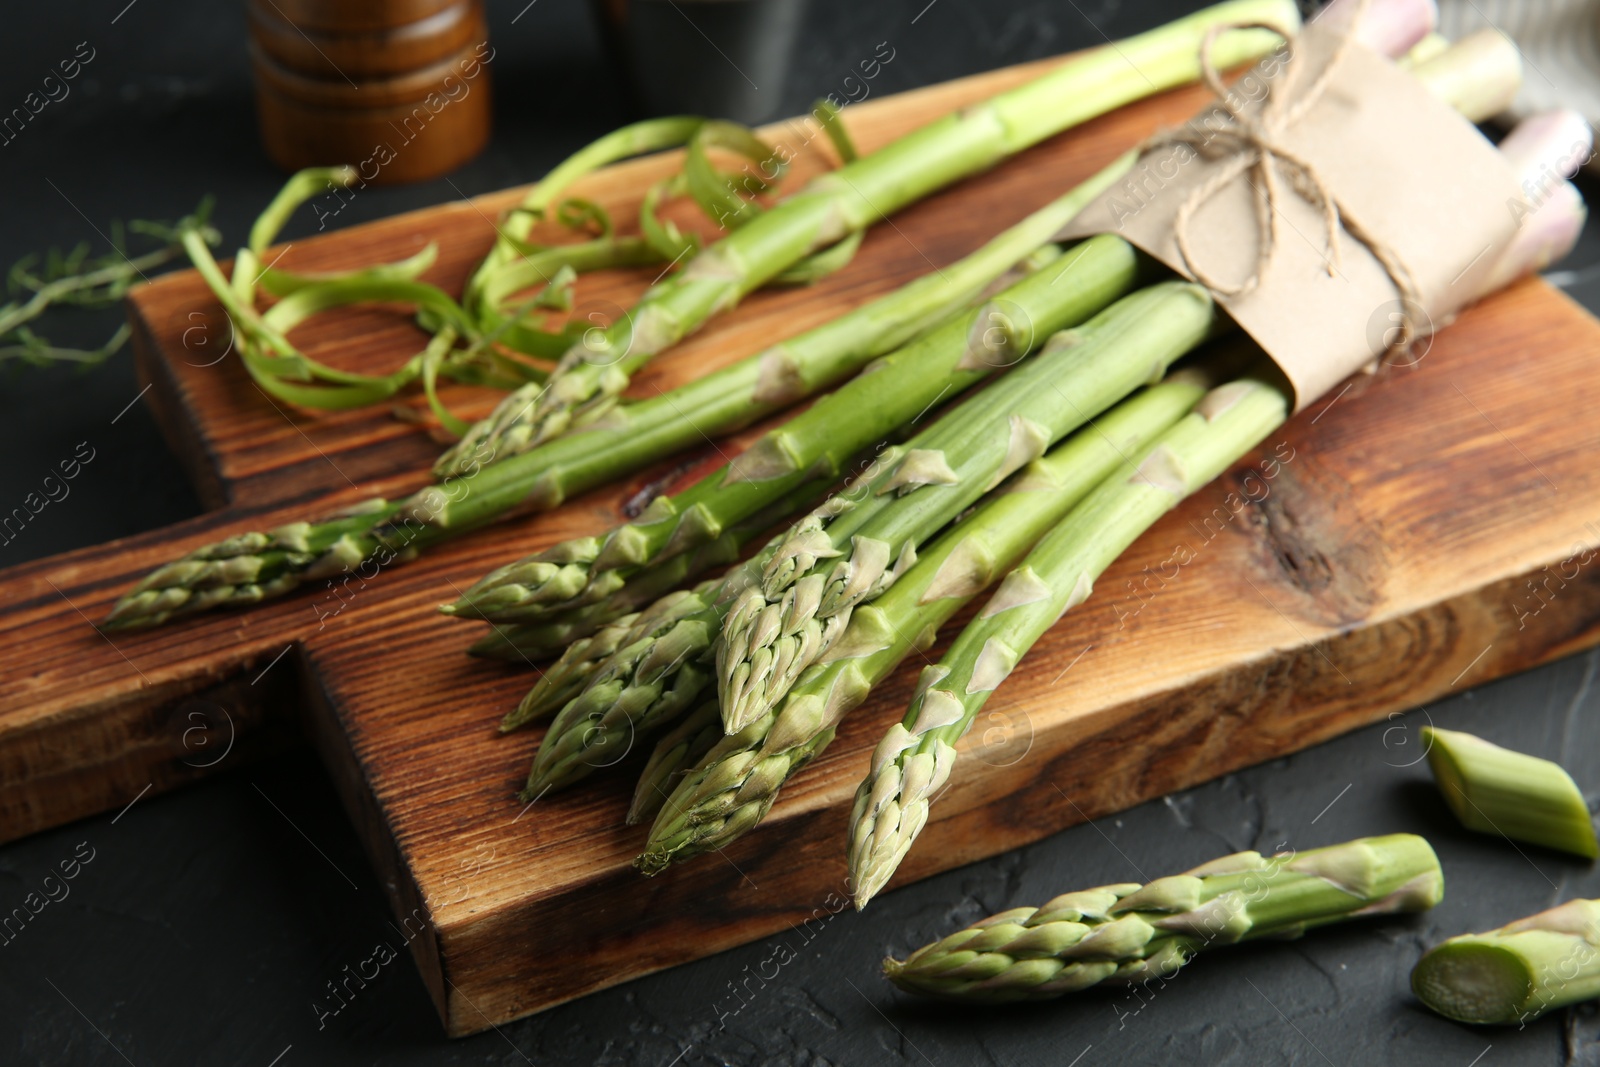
(736, 781)
(514, 460)
(1100, 361)
(842, 203)
(740, 788)
(854, 547)
(815, 447)
(255, 566)
(913, 761)
(1127, 934)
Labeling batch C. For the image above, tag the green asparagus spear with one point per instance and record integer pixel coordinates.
(1127, 934)
(550, 636)
(914, 759)
(530, 642)
(852, 548)
(841, 203)
(647, 682)
(1516, 973)
(735, 784)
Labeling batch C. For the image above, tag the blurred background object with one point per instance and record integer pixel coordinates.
(397, 88)
(669, 53)
(1560, 43)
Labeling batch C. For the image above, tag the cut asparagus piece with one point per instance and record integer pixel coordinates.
(1495, 790)
(1126, 934)
(854, 546)
(1516, 973)
(840, 203)
(914, 759)
(734, 785)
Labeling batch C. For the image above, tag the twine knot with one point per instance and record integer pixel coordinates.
(1253, 145)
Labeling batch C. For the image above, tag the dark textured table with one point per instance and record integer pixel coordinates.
(208, 923)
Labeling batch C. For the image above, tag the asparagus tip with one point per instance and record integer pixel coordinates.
(652, 862)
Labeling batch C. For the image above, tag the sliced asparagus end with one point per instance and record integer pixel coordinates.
(1472, 982)
(1495, 790)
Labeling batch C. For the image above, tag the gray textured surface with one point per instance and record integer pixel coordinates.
(209, 922)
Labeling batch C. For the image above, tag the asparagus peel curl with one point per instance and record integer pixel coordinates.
(1126, 934)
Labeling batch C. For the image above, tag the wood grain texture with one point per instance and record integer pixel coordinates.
(1386, 561)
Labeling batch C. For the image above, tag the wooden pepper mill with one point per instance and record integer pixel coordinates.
(399, 89)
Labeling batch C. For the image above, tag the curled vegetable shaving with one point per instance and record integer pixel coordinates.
(493, 336)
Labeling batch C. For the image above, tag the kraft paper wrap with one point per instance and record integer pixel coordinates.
(1398, 161)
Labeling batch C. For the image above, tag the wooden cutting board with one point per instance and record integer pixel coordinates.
(1427, 529)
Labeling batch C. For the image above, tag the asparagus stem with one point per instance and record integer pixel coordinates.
(1479, 75)
(914, 759)
(733, 786)
(1497, 791)
(1127, 934)
(1516, 973)
(817, 444)
(800, 366)
(852, 548)
(841, 203)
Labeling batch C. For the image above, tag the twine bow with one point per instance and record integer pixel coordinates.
(1253, 144)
